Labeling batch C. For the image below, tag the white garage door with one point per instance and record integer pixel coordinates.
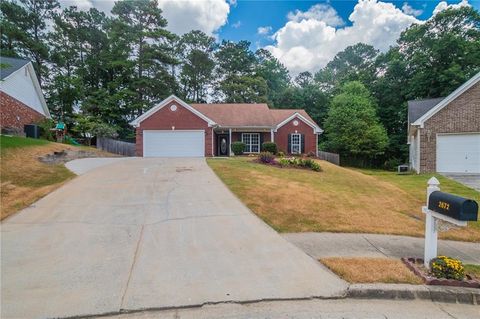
(173, 143)
(458, 153)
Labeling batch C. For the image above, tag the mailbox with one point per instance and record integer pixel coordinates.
(453, 206)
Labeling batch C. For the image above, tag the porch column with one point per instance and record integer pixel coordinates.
(229, 142)
(271, 135)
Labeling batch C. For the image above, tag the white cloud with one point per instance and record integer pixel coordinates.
(264, 30)
(322, 12)
(408, 9)
(182, 15)
(444, 5)
(309, 43)
(237, 24)
(186, 15)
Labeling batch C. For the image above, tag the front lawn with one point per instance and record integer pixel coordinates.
(24, 179)
(335, 200)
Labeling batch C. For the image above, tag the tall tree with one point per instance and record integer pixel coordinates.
(442, 53)
(196, 53)
(138, 28)
(24, 30)
(274, 73)
(352, 126)
(238, 82)
(355, 63)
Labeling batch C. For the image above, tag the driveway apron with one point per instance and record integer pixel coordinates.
(147, 234)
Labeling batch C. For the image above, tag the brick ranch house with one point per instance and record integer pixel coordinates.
(444, 133)
(174, 128)
(21, 98)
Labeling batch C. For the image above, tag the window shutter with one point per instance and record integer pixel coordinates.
(303, 144)
(289, 143)
(261, 141)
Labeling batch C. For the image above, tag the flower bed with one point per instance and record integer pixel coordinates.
(293, 162)
(416, 265)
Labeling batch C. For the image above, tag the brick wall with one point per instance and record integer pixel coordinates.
(461, 115)
(181, 119)
(14, 114)
(281, 136)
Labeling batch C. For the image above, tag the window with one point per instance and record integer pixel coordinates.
(252, 142)
(296, 143)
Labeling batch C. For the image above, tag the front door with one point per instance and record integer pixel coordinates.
(222, 145)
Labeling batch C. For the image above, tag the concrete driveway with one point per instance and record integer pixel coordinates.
(471, 180)
(147, 233)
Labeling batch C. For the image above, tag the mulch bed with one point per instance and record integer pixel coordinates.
(416, 265)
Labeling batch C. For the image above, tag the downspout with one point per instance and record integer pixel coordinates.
(229, 142)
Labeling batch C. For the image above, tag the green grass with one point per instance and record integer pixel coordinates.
(11, 142)
(416, 184)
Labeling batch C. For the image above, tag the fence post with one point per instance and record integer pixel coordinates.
(431, 232)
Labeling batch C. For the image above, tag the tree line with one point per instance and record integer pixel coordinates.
(99, 72)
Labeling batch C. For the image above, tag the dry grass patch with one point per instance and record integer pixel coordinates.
(24, 179)
(335, 200)
(371, 270)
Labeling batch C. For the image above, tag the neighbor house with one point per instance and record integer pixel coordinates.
(444, 133)
(21, 98)
(174, 128)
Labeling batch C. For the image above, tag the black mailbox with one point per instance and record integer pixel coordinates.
(453, 206)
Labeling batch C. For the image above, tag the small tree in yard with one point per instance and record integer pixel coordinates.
(352, 126)
(89, 126)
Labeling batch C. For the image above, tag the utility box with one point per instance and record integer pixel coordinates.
(453, 206)
(32, 130)
(402, 169)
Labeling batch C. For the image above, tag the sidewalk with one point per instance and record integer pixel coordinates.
(320, 245)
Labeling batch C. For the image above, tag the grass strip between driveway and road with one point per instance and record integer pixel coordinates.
(338, 199)
(371, 270)
(363, 270)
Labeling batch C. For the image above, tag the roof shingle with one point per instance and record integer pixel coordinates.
(417, 108)
(247, 115)
(10, 65)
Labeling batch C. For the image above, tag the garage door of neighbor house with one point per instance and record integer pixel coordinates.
(177, 143)
(458, 153)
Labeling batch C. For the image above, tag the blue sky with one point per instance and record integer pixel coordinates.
(303, 35)
(254, 14)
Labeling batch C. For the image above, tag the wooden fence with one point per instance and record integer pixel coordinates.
(329, 157)
(116, 146)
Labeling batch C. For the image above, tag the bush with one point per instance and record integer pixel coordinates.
(266, 157)
(269, 147)
(281, 154)
(300, 162)
(45, 129)
(446, 267)
(238, 148)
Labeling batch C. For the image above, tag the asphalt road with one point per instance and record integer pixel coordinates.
(147, 233)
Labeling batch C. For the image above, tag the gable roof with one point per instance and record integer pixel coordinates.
(136, 122)
(10, 65)
(417, 108)
(13, 66)
(237, 114)
(464, 87)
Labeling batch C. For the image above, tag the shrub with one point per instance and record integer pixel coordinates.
(238, 148)
(311, 154)
(269, 147)
(300, 162)
(446, 267)
(266, 157)
(281, 154)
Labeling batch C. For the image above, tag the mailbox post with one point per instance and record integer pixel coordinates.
(431, 231)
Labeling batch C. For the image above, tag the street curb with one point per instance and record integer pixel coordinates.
(459, 295)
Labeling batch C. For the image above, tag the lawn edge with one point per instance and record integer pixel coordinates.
(444, 294)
